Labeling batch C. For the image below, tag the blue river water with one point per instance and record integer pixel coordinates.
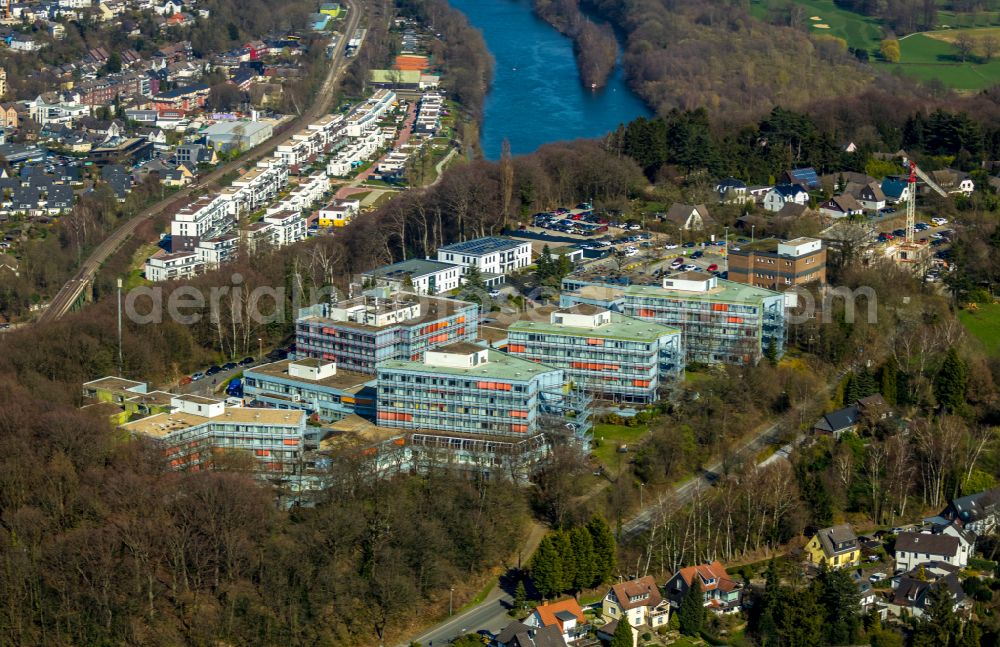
(537, 96)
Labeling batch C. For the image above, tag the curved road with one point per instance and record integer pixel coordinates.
(70, 292)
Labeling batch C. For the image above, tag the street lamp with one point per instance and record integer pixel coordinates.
(725, 244)
(451, 595)
(260, 348)
(641, 484)
(752, 227)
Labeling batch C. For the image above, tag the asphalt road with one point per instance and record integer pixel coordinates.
(71, 291)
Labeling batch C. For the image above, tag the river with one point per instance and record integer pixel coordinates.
(536, 96)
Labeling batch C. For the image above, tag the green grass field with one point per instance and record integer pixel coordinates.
(984, 325)
(610, 437)
(926, 58)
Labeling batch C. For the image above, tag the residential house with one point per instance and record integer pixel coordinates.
(782, 194)
(910, 593)
(689, 217)
(869, 195)
(954, 181)
(495, 256)
(869, 409)
(916, 548)
(8, 116)
(565, 614)
(841, 206)
(416, 275)
(733, 191)
(837, 547)
(639, 602)
(978, 512)
(518, 634)
(806, 177)
(896, 190)
(722, 593)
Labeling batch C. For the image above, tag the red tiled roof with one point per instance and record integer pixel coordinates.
(547, 612)
(714, 571)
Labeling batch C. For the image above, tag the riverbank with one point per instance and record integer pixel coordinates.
(536, 96)
(594, 46)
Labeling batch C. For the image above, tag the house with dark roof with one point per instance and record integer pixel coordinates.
(637, 601)
(978, 512)
(722, 592)
(910, 593)
(896, 190)
(841, 206)
(916, 548)
(518, 634)
(836, 423)
(733, 191)
(837, 547)
(689, 217)
(807, 177)
(58, 199)
(869, 195)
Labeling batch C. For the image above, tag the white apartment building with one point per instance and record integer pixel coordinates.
(287, 227)
(213, 252)
(206, 217)
(416, 275)
(260, 185)
(61, 112)
(492, 255)
(169, 267)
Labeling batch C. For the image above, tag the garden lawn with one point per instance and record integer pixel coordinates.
(984, 324)
(610, 437)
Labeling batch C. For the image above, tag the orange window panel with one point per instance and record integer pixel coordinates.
(646, 312)
(720, 307)
(460, 319)
(290, 441)
(519, 428)
(460, 330)
(262, 452)
(518, 414)
(595, 342)
(640, 382)
(736, 320)
(399, 441)
(516, 348)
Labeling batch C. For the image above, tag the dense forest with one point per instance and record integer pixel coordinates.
(714, 55)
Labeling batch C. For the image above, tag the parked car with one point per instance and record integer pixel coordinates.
(197, 376)
(212, 370)
(939, 221)
(494, 293)
(698, 254)
(246, 361)
(671, 246)
(877, 577)
(713, 267)
(228, 366)
(898, 233)
(690, 268)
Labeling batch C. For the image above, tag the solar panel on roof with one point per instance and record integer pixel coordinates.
(481, 246)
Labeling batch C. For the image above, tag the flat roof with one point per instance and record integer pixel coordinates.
(153, 397)
(416, 267)
(197, 399)
(621, 327)
(112, 383)
(500, 366)
(163, 424)
(459, 347)
(342, 380)
(432, 308)
(481, 246)
(726, 291)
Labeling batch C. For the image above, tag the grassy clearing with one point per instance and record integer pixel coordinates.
(984, 325)
(610, 437)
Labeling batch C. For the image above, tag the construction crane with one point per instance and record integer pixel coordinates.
(911, 204)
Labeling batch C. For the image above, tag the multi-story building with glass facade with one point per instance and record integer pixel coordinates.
(721, 321)
(198, 429)
(607, 354)
(315, 386)
(361, 333)
(480, 406)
